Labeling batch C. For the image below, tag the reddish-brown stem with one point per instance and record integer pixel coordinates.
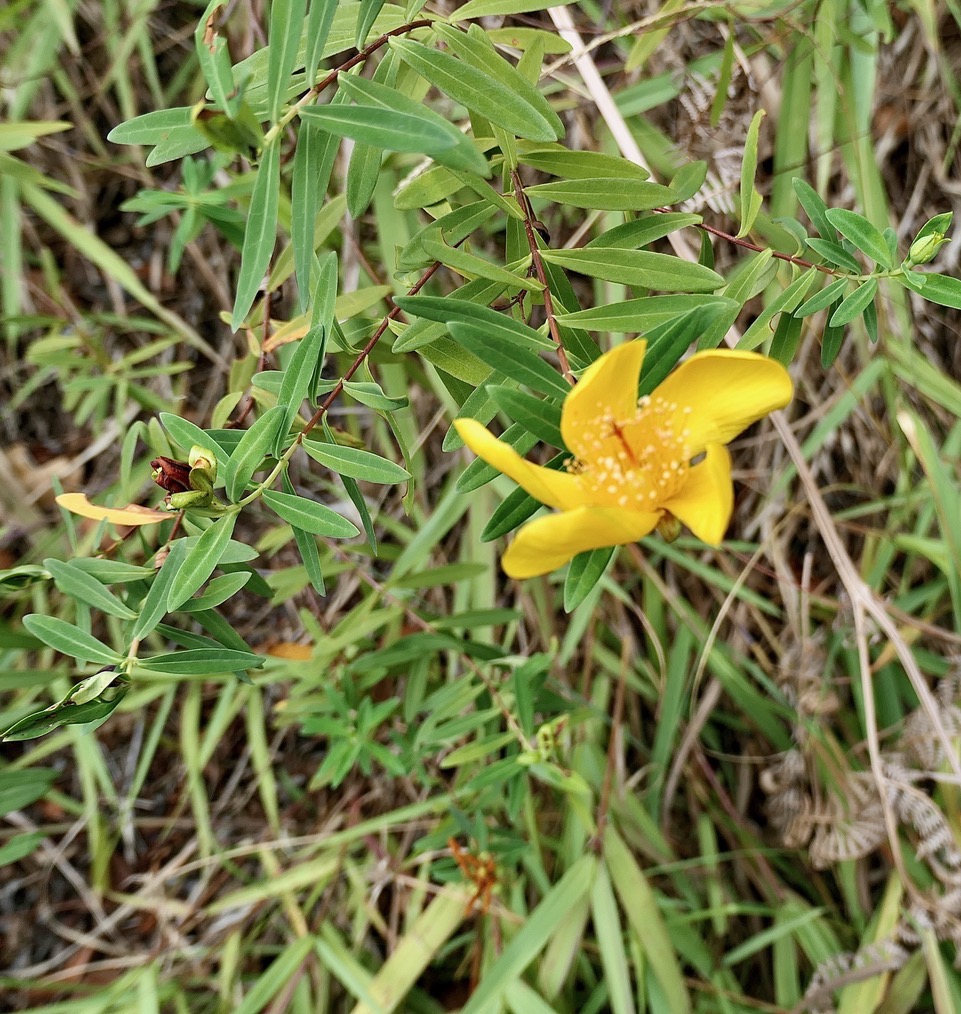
(362, 55)
(366, 350)
(748, 245)
(538, 265)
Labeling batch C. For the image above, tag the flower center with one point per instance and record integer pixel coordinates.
(638, 462)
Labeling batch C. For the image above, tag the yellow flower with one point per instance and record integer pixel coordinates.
(637, 463)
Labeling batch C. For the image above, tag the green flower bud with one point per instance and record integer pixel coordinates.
(924, 248)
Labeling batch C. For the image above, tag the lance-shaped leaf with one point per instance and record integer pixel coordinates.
(70, 640)
(249, 454)
(862, 234)
(298, 379)
(475, 49)
(91, 700)
(309, 516)
(855, 304)
(519, 363)
(638, 267)
(154, 606)
(462, 154)
(477, 91)
(539, 417)
(202, 661)
(86, 588)
(356, 463)
(604, 194)
(307, 547)
(286, 27)
(260, 234)
(201, 561)
(583, 573)
(750, 198)
(381, 128)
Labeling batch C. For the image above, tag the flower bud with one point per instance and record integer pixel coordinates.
(924, 248)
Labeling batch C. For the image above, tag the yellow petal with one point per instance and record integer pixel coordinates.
(705, 501)
(130, 516)
(556, 489)
(726, 390)
(549, 542)
(607, 389)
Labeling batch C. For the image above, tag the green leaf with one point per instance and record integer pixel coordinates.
(476, 90)
(92, 700)
(855, 304)
(787, 334)
(313, 164)
(822, 299)
(201, 561)
(214, 57)
(20, 845)
(816, 209)
(319, 19)
(356, 463)
(260, 234)
(862, 234)
(750, 202)
(471, 266)
(357, 499)
(641, 314)
(831, 339)
(539, 417)
(154, 606)
(382, 128)
(86, 588)
(372, 395)
(585, 570)
(249, 454)
(476, 49)
(688, 180)
(448, 310)
(369, 9)
(286, 26)
(460, 154)
(520, 363)
(579, 165)
(157, 127)
(307, 547)
(218, 590)
(638, 267)
(21, 787)
(70, 640)
(835, 254)
(604, 194)
(304, 365)
(201, 661)
(643, 231)
(309, 516)
(941, 289)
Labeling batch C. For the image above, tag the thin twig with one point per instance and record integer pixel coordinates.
(538, 264)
